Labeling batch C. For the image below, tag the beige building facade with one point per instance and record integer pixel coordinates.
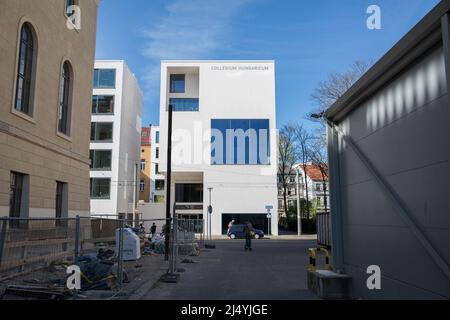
(45, 96)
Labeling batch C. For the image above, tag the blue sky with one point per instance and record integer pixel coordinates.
(308, 39)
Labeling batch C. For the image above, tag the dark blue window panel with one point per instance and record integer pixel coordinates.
(177, 83)
(240, 142)
(104, 78)
(184, 104)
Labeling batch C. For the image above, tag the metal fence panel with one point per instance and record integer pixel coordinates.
(324, 229)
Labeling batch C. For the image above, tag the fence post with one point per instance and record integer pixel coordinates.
(77, 238)
(3, 237)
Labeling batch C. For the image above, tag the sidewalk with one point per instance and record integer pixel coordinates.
(274, 237)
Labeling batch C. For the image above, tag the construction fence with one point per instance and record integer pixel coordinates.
(36, 253)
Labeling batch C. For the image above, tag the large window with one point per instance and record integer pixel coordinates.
(100, 159)
(142, 164)
(61, 206)
(15, 194)
(64, 99)
(189, 192)
(184, 104)
(240, 142)
(100, 188)
(25, 70)
(101, 131)
(102, 104)
(104, 78)
(159, 185)
(177, 83)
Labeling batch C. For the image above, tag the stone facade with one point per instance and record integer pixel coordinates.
(32, 145)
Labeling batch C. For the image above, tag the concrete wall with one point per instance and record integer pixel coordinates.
(31, 145)
(404, 130)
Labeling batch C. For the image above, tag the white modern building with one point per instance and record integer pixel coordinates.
(115, 139)
(157, 182)
(223, 140)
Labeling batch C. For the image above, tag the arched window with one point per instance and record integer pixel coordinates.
(64, 100)
(25, 70)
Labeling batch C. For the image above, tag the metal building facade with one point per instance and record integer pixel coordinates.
(389, 144)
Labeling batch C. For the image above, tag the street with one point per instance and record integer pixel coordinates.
(275, 269)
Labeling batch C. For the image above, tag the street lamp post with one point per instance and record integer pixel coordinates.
(299, 218)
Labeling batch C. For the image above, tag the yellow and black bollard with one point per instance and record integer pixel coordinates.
(313, 259)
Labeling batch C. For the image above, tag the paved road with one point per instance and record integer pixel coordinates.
(275, 269)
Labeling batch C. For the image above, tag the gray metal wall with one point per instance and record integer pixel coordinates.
(405, 132)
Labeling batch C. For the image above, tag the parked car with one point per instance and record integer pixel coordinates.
(237, 232)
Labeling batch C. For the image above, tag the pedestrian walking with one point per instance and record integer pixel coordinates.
(153, 229)
(248, 230)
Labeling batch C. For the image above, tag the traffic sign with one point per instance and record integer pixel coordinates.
(269, 216)
(269, 207)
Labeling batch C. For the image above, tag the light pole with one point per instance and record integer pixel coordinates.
(299, 218)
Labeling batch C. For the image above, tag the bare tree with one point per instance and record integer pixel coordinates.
(287, 158)
(303, 142)
(319, 157)
(329, 91)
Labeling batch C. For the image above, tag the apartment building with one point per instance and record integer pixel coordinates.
(115, 139)
(224, 140)
(145, 165)
(157, 180)
(317, 182)
(46, 70)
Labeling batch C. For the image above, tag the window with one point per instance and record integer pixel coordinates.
(240, 142)
(189, 192)
(102, 104)
(158, 199)
(100, 159)
(104, 78)
(61, 206)
(184, 104)
(70, 3)
(142, 186)
(100, 188)
(101, 131)
(157, 168)
(157, 153)
(64, 99)
(177, 83)
(142, 164)
(15, 194)
(157, 137)
(159, 185)
(25, 71)
(292, 179)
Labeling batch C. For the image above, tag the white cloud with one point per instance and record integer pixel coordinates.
(190, 30)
